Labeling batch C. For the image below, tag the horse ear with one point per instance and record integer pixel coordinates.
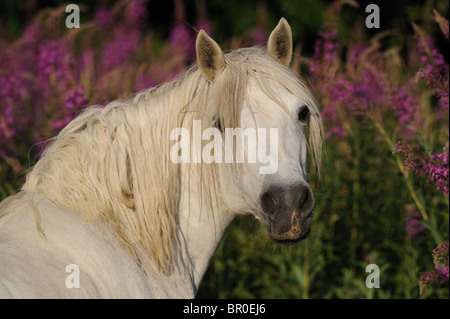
(279, 44)
(210, 58)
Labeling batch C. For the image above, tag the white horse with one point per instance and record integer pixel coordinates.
(107, 213)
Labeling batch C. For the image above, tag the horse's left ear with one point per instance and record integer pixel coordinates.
(279, 44)
(210, 58)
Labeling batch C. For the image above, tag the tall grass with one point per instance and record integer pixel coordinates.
(383, 195)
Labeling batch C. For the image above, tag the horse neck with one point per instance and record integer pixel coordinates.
(202, 225)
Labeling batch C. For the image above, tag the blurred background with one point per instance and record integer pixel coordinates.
(383, 94)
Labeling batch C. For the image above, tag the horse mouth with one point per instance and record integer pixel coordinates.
(290, 242)
(290, 232)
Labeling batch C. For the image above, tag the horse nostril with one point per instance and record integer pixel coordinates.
(306, 201)
(304, 198)
(268, 203)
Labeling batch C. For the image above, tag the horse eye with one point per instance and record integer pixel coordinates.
(303, 114)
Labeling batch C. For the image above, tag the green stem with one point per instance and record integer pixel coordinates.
(409, 183)
(306, 274)
(356, 193)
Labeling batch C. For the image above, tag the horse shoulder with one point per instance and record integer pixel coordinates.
(54, 253)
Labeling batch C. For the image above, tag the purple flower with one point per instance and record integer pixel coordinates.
(203, 24)
(258, 36)
(403, 105)
(443, 270)
(76, 99)
(117, 52)
(32, 34)
(407, 110)
(329, 47)
(433, 165)
(136, 13)
(12, 98)
(440, 274)
(436, 71)
(441, 259)
(341, 91)
(180, 41)
(336, 131)
(144, 81)
(103, 17)
(358, 87)
(413, 226)
(51, 57)
(443, 101)
(325, 50)
(438, 170)
(412, 160)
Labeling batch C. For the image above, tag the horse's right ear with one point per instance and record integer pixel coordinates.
(210, 58)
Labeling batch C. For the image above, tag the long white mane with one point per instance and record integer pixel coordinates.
(112, 165)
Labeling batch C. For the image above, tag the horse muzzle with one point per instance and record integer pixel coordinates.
(288, 213)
